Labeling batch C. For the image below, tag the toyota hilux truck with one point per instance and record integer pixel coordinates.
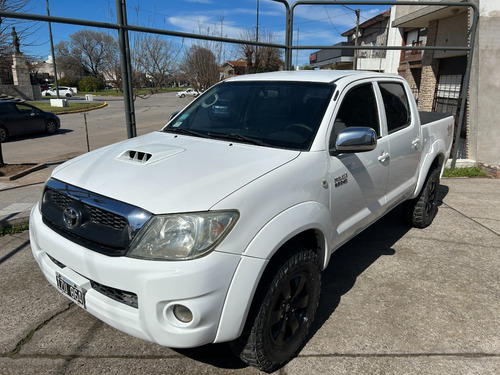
(217, 227)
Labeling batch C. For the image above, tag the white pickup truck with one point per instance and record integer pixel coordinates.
(217, 227)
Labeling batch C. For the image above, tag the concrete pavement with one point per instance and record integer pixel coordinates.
(394, 300)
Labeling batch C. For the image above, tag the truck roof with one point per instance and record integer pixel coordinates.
(324, 76)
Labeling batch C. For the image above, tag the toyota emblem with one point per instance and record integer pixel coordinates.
(71, 217)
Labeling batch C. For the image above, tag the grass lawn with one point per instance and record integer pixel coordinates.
(72, 106)
(465, 172)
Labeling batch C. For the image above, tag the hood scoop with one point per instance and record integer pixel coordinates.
(149, 154)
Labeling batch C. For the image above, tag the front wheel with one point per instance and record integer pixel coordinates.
(421, 211)
(285, 315)
(3, 134)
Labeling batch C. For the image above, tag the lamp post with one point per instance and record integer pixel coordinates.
(52, 52)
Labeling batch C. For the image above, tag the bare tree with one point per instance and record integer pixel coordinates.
(154, 62)
(22, 27)
(258, 58)
(200, 67)
(93, 51)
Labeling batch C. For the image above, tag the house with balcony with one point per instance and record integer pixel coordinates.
(375, 31)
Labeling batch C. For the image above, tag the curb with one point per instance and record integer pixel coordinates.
(34, 168)
(14, 222)
(83, 110)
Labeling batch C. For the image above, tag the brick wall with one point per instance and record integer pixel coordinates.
(430, 67)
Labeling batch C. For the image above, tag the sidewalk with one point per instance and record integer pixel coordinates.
(395, 300)
(17, 197)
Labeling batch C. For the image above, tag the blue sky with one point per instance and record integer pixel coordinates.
(313, 25)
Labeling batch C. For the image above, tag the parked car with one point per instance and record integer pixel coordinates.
(217, 227)
(21, 118)
(63, 91)
(188, 92)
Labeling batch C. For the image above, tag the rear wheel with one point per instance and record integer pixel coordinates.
(422, 210)
(51, 126)
(278, 330)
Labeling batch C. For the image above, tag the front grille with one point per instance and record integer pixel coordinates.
(97, 215)
(122, 296)
(91, 220)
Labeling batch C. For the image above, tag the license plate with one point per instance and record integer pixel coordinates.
(71, 289)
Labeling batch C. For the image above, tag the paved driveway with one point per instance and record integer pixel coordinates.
(394, 301)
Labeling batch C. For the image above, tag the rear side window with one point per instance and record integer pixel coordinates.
(397, 109)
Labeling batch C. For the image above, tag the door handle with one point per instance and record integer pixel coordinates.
(382, 158)
(415, 143)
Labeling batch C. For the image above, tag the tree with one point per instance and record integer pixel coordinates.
(200, 67)
(22, 27)
(154, 62)
(90, 51)
(258, 58)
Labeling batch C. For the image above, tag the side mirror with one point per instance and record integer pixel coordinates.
(172, 115)
(355, 139)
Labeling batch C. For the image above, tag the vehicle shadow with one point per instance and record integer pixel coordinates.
(37, 135)
(354, 257)
(346, 264)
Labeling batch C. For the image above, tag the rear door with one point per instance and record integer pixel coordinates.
(403, 134)
(358, 182)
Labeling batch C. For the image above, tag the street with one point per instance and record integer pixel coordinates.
(395, 300)
(105, 126)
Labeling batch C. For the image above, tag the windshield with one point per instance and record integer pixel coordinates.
(274, 114)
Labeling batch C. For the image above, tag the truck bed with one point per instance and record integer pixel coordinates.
(427, 117)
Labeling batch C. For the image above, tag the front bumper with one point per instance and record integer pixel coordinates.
(200, 285)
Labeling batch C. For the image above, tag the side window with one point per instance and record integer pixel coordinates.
(358, 108)
(397, 109)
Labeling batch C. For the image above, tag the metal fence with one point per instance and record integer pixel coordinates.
(123, 29)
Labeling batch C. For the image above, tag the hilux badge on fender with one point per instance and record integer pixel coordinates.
(71, 217)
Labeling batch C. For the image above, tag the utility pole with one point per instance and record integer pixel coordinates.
(355, 63)
(297, 52)
(257, 62)
(52, 52)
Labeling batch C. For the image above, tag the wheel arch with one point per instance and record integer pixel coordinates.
(434, 159)
(254, 273)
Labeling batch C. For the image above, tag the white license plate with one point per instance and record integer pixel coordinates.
(75, 292)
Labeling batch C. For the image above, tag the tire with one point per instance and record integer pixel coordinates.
(277, 327)
(422, 210)
(182, 96)
(68, 95)
(3, 134)
(51, 127)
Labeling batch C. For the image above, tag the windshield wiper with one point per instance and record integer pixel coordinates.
(238, 137)
(184, 131)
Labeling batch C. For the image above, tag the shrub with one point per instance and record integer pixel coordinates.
(67, 81)
(91, 84)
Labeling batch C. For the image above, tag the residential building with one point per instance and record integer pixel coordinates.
(375, 31)
(437, 76)
(233, 68)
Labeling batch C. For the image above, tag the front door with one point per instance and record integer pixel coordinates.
(358, 181)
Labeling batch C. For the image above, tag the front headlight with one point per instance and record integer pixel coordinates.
(182, 236)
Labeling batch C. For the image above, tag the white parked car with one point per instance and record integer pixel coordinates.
(188, 92)
(217, 227)
(63, 91)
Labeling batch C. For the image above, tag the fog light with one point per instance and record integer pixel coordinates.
(182, 313)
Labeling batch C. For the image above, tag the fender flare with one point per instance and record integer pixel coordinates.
(436, 152)
(295, 220)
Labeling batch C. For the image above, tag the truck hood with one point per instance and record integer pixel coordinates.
(167, 173)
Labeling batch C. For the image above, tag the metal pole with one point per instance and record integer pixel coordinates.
(355, 63)
(52, 52)
(465, 89)
(126, 68)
